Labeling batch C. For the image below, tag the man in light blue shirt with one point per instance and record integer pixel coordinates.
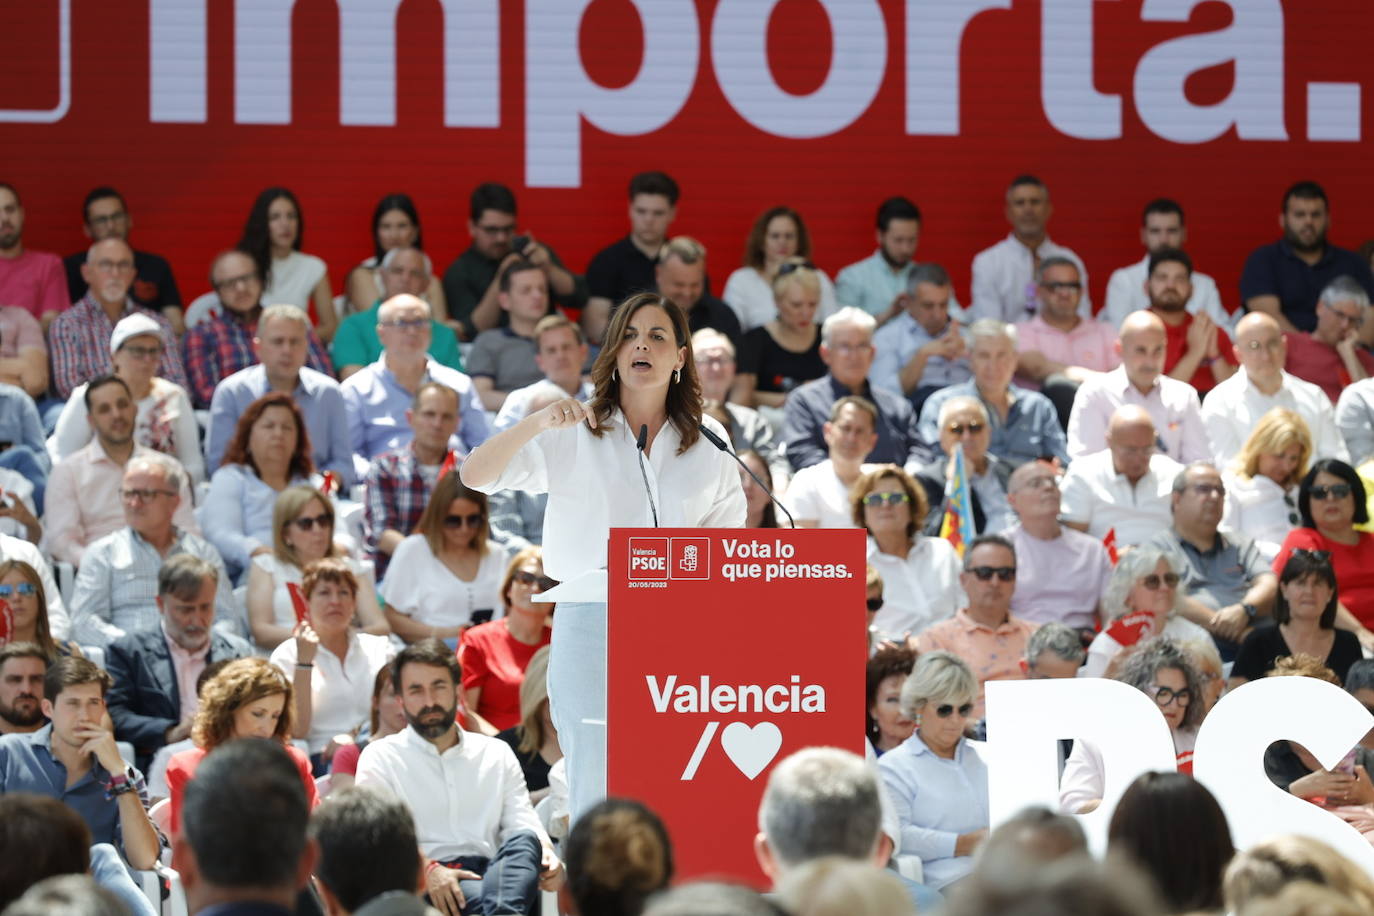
(878, 283)
(377, 396)
(281, 346)
(921, 350)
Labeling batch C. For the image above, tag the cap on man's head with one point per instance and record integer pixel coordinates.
(133, 326)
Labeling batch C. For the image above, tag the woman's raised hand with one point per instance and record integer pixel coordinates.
(564, 413)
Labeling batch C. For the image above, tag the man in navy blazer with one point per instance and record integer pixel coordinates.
(153, 700)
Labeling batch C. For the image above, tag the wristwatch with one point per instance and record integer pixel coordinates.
(1250, 611)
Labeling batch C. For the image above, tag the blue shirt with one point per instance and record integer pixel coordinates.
(807, 410)
(896, 342)
(871, 284)
(317, 395)
(935, 800)
(20, 423)
(27, 764)
(1030, 431)
(377, 405)
(237, 514)
(1276, 270)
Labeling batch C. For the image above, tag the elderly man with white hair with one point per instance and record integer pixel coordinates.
(377, 395)
(1024, 424)
(1330, 355)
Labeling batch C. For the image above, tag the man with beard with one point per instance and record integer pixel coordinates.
(32, 280)
(1197, 350)
(22, 668)
(1284, 278)
(880, 284)
(154, 701)
(484, 847)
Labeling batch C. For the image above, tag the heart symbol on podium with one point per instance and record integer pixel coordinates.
(751, 749)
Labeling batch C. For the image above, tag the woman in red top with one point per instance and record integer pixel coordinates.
(495, 655)
(1332, 501)
(249, 698)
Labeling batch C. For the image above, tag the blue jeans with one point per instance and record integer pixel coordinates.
(509, 882)
(577, 699)
(110, 872)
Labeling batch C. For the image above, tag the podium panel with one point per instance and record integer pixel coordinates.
(728, 650)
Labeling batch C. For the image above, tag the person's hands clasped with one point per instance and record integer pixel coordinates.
(564, 413)
(550, 871)
(441, 883)
(1202, 334)
(1333, 785)
(1230, 623)
(307, 643)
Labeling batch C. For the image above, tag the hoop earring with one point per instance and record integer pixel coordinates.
(613, 378)
(677, 375)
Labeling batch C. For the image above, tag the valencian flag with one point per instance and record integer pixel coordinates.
(957, 526)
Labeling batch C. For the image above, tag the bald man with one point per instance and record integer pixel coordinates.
(79, 339)
(1172, 405)
(1126, 488)
(1236, 405)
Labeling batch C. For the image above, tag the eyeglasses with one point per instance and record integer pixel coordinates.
(109, 220)
(1316, 556)
(1043, 482)
(1356, 320)
(1166, 695)
(792, 267)
(895, 498)
(308, 522)
(143, 496)
(496, 230)
(406, 324)
(525, 577)
(1208, 489)
(113, 267)
(985, 573)
(958, 429)
(1153, 581)
(23, 588)
(874, 604)
(945, 710)
(138, 352)
(1253, 345)
(232, 282)
(463, 521)
(1061, 287)
(1334, 491)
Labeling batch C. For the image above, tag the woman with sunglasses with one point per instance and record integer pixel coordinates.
(1141, 601)
(1331, 502)
(920, 574)
(1304, 622)
(303, 532)
(446, 576)
(785, 352)
(886, 723)
(21, 587)
(778, 236)
(495, 655)
(936, 779)
(1262, 482)
(964, 422)
(1162, 670)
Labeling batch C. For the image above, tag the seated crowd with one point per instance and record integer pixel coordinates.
(241, 517)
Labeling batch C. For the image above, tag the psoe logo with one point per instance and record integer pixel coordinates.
(648, 558)
(691, 558)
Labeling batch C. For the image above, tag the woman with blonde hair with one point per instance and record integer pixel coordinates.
(249, 698)
(1265, 869)
(782, 354)
(778, 235)
(535, 739)
(1262, 482)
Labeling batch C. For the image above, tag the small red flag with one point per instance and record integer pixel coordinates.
(6, 622)
(1128, 629)
(298, 602)
(450, 462)
(331, 483)
(1110, 543)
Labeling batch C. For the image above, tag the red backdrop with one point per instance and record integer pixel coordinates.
(189, 185)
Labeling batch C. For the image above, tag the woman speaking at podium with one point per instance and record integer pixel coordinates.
(631, 457)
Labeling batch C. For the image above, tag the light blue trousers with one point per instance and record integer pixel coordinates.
(577, 699)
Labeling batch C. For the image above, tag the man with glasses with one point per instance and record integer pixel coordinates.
(29, 279)
(922, 349)
(116, 587)
(379, 394)
(964, 422)
(472, 281)
(1059, 349)
(1236, 405)
(985, 634)
(83, 502)
(1025, 425)
(223, 344)
(1125, 489)
(1330, 356)
(105, 215)
(79, 339)
(1064, 572)
(1225, 584)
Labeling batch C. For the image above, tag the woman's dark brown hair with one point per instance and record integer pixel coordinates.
(754, 255)
(302, 465)
(431, 523)
(242, 681)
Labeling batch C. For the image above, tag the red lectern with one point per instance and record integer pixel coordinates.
(728, 649)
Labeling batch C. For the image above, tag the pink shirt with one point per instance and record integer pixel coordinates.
(1091, 345)
(994, 653)
(19, 331)
(35, 281)
(188, 666)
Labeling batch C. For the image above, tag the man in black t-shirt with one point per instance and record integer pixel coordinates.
(105, 216)
(627, 266)
(681, 278)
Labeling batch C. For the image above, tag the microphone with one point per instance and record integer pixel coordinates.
(640, 443)
(721, 444)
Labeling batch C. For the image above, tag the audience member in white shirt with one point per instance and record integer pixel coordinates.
(777, 235)
(485, 849)
(1234, 406)
(1126, 489)
(1262, 483)
(819, 495)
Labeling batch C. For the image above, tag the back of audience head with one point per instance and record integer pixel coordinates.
(1279, 443)
(367, 847)
(252, 689)
(1300, 664)
(1266, 868)
(1140, 669)
(1073, 886)
(41, 837)
(885, 723)
(1172, 827)
(618, 855)
(67, 895)
(712, 898)
(244, 820)
(837, 886)
(1054, 650)
(820, 801)
(1030, 838)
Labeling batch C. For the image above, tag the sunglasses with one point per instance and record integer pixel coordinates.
(461, 521)
(1293, 518)
(1154, 581)
(874, 604)
(1335, 491)
(985, 573)
(895, 498)
(1165, 695)
(793, 267)
(308, 522)
(1316, 556)
(958, 429)
(945, 710)
(525, 577)
(23, 588)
